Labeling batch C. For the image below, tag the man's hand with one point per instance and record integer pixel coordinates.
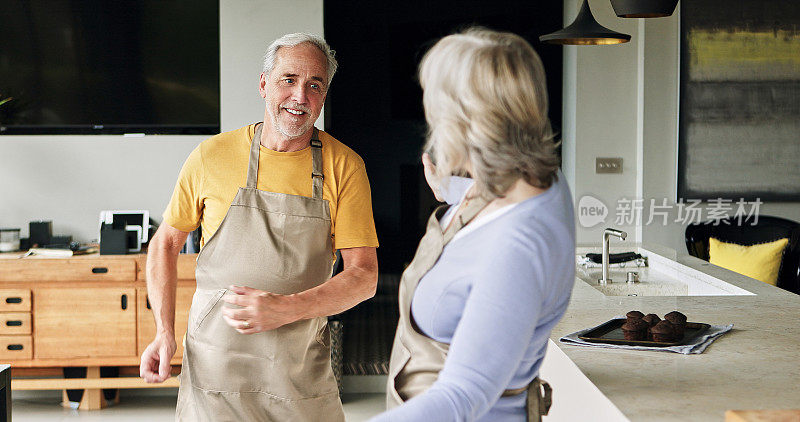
(154, 366)
(259, 310)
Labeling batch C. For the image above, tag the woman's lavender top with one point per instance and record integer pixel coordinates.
(494, 295)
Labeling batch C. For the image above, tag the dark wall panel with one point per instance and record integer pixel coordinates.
(375, 102)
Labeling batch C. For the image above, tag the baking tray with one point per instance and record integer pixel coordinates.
(611, 333)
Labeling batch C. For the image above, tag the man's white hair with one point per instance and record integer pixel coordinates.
(291, 40)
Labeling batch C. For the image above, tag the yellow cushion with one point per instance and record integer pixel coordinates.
(761, 261)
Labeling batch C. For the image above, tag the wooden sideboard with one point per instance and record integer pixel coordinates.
(89, 312)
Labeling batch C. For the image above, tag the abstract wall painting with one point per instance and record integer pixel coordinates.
(740, 100)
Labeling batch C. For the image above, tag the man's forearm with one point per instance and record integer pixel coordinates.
(347, 289)
(162, 275)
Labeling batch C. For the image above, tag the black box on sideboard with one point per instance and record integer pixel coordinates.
(113, 241)
(40, 232)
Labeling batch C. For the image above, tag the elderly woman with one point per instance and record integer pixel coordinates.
(494, 272)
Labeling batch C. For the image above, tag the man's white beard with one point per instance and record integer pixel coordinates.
(286, 131)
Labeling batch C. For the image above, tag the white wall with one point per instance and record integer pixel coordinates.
(660, 113)
(604, 115)
(69, 179)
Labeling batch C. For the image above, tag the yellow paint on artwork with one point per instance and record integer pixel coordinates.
(744, 55)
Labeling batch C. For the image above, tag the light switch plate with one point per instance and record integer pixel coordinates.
(608, 165)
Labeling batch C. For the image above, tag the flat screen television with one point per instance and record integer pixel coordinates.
(109, 67)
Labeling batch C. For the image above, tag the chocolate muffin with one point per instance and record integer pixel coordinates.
(651, 320)
(663, 332)
(634, 315)
(634, 329)
(678, 321)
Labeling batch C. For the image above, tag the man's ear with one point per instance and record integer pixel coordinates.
(262, 85)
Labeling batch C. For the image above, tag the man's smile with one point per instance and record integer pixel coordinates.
(296, 109)
(295, 112)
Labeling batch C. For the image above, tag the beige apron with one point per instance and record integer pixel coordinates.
(416, 358)
(282, 244)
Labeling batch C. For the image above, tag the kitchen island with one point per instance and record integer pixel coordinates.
(754, 366)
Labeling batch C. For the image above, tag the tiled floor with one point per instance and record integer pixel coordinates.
(155, 408)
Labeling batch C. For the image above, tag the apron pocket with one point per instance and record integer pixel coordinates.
(308, 258)
(221, 358)
(221, 370)
(204, 300)
(212, 331)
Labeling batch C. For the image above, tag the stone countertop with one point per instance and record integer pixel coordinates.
(755, 366)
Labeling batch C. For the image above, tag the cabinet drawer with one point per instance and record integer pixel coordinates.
(15, 300)
(15, 347)
(73, 269)
(12, 323)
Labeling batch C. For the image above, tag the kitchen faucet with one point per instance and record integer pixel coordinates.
(606, 234)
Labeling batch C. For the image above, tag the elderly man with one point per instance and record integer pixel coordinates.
(275, 200)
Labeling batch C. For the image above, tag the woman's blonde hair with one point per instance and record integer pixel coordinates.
(486, 106)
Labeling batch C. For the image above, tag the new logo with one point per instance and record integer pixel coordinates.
(591, 211)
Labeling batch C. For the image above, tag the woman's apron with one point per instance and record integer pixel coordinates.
(416, 358)
(281, 244)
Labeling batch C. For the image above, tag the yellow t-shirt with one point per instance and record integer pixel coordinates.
(217, 168)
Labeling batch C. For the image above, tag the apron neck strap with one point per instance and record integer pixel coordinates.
(255, 149)
(469, 209)
(316, 162)
(316, 165)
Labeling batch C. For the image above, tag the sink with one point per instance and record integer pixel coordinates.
(663, 276)
(648, 285)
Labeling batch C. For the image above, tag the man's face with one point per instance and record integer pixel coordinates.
(295, 89)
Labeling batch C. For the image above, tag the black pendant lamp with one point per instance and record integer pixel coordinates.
(643, 8)
(585, 31)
